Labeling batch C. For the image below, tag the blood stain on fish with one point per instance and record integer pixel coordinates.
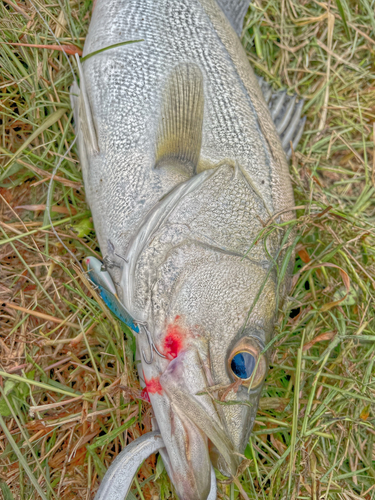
(153, 385)
(174, 340)
(144, 395)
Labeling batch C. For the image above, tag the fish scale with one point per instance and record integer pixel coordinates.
(125, 95)
(183, 166)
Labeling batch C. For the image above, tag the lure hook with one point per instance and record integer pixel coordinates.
(148, 361)
(152, 346)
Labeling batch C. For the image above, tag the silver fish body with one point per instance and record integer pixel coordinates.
(182, 167)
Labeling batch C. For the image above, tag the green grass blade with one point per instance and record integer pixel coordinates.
(47, 123)
(343, 17)
(22, 459)
(7, 494)
(114, 46)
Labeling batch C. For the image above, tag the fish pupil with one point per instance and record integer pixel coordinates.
(243, 365)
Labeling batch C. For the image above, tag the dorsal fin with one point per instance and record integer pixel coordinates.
(235, 10)
(179, 136)
(285, 114)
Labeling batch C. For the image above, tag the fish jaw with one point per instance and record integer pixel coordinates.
(242, 408)
(189, 421)
(186, 456)
(204, 326)
(198, 431)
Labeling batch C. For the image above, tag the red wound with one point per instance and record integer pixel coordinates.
(153, 386)
(174, 340)
(144, 395)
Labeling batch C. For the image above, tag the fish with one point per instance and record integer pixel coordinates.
(184, 154)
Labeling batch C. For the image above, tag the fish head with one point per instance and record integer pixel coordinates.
(205, 391)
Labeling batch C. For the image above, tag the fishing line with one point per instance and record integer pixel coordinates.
(49, 201)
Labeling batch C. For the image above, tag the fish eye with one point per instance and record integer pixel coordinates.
(246, 359)
(243, 364)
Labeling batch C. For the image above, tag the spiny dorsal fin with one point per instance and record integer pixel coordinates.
(180, 130)
(235, 10)
(286, 115)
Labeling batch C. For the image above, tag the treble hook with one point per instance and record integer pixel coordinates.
(152, 346)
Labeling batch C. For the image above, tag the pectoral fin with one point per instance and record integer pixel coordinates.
(86, 121)
(179, 136)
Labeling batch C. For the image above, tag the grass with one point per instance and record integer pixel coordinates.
(69, 396)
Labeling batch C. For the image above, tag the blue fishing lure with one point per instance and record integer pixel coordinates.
(107, 291)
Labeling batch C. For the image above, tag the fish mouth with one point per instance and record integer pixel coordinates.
(119, 477)
(188, 432)
(190, 424)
